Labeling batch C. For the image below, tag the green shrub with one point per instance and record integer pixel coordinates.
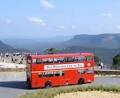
(50, 93)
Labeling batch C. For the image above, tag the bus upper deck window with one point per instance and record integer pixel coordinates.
(44, 60)
(69, 59)
(89, 58)
(47, 60)
(50, 60)
(34, 61)
(38, 61)
(79, 59)
(92, 58)
(58, 60)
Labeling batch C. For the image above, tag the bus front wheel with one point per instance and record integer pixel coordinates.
(81, 81)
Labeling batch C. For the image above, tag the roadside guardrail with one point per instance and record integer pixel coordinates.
(107, 72)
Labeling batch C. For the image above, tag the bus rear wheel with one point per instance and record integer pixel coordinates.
(48, 84)
(81, 81)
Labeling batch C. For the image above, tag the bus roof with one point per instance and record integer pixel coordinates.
(61, 55)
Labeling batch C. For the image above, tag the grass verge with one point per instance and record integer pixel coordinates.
(52, 92)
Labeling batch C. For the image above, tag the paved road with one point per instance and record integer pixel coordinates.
(13, 84)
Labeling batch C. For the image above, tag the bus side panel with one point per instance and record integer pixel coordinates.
(54, 80)
(36, 81)
(71, 76)
(89, 77)
(37, 67)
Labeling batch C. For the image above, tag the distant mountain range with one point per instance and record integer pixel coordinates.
(37, 44)
(110, 41)
(7, 48)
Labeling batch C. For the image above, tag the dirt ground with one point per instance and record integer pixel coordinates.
(89, 94)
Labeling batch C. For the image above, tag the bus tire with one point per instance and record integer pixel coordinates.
(81, 81)
(28, 84)
(48, 84)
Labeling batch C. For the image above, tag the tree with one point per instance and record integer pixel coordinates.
(116, 62)
(97, 60)
(51, 51)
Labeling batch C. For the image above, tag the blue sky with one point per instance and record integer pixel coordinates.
(48, 18)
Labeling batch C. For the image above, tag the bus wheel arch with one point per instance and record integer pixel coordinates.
(48, 84)
(81, 81)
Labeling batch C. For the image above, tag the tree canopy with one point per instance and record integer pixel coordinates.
(51, 51)
(116, 60)
(96, 59)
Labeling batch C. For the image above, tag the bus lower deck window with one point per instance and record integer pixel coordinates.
(81, 71)
(90, 70)
(51, 74)
(56, 74)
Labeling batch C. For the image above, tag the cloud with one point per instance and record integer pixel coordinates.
(107, 14)
(46, 4)
(118, 27)
(73, 26)
(61, 27)
(8, 21)
(36, 20)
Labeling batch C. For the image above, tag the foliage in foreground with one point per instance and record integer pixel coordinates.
(51, 92)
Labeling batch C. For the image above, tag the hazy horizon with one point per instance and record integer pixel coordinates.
(59, 37)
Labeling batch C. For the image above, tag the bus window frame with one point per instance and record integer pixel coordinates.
(91, 58)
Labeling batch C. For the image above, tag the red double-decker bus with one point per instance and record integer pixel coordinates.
(59, 69)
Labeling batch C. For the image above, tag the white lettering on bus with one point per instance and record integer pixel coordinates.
(63, 66)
